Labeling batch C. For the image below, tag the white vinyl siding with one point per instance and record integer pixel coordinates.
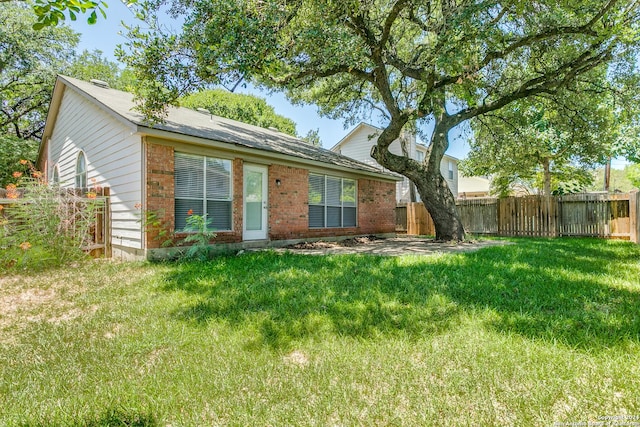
(358, 144)
(332, 202)
(449, 170)
(114, 159)
(203, 185)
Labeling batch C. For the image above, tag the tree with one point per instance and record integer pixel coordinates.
(243, 108)
(49, 13)
(29, 61)
(632, 174)
(313, 137)
(621, 179)
(552, 143)
(540, 144)
(92, 65)
(413, 61)
(15, 156)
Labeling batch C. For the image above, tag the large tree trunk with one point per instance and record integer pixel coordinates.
(405, 145)
(435, 192)
(431, 185)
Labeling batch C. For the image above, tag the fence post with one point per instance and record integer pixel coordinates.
(634, 210)
(411, 219)
(107, 222)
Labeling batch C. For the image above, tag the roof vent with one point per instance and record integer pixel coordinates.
(100, 83)
(203, 110)
(273, 129)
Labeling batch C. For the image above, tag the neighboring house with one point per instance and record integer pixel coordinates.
(258, 186)
(358, 143)
(470, 187)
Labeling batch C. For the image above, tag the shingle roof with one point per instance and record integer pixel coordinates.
(193, 123)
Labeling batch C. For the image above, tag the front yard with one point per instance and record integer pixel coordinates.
(542, 332)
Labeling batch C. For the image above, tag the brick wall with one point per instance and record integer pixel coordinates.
(289, 207)
(376, 208)
(288, 202)
(160, 189)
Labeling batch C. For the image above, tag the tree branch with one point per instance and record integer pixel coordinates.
(543, 84)
(390, 20)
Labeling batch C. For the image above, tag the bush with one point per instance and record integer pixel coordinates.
(43, 226)
(200, 228)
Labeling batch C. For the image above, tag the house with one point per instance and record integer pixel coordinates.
(357, 144)
(258, 186)
(470, 187)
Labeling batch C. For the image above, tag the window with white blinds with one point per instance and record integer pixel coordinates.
(332, 202)
(203, 186)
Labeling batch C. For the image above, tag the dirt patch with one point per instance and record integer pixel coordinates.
(347, 243)
(25, 300)
(394, 246)
(296, 358)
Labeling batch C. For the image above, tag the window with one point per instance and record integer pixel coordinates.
(81, 171)
(55, 177)
(332, 202)
(203, 185)
(450, 170)
(420, 156)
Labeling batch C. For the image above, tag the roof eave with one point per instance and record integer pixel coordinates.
(204, 142)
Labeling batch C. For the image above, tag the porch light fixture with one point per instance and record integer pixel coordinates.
(278, 182)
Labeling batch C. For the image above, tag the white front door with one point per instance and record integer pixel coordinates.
(255, 202)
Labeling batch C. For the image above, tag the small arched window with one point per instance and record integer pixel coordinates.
(55, 177)
(81, 171)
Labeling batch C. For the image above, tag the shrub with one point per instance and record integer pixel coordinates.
(201, 234)
(43, 226)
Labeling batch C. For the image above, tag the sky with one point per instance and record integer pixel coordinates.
(106, 34)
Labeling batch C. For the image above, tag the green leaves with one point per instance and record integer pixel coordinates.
(12, 151)
(553, 139)
(29, 61)
(401, 62)
(50, 13)
(244, 108)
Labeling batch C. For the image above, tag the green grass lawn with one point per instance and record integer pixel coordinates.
(535, 333)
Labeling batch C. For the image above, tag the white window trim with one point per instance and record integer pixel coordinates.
(78, 175)
(55, 175)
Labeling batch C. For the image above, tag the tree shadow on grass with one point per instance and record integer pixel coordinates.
(545, 289)
(111, 418)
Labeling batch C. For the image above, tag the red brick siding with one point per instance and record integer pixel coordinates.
(288, 203)
(376, 207)
(289, 207)
(160, 191)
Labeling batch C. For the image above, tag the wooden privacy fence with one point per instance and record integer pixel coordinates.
(401, 218)
(99, 239)
(591, 214)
